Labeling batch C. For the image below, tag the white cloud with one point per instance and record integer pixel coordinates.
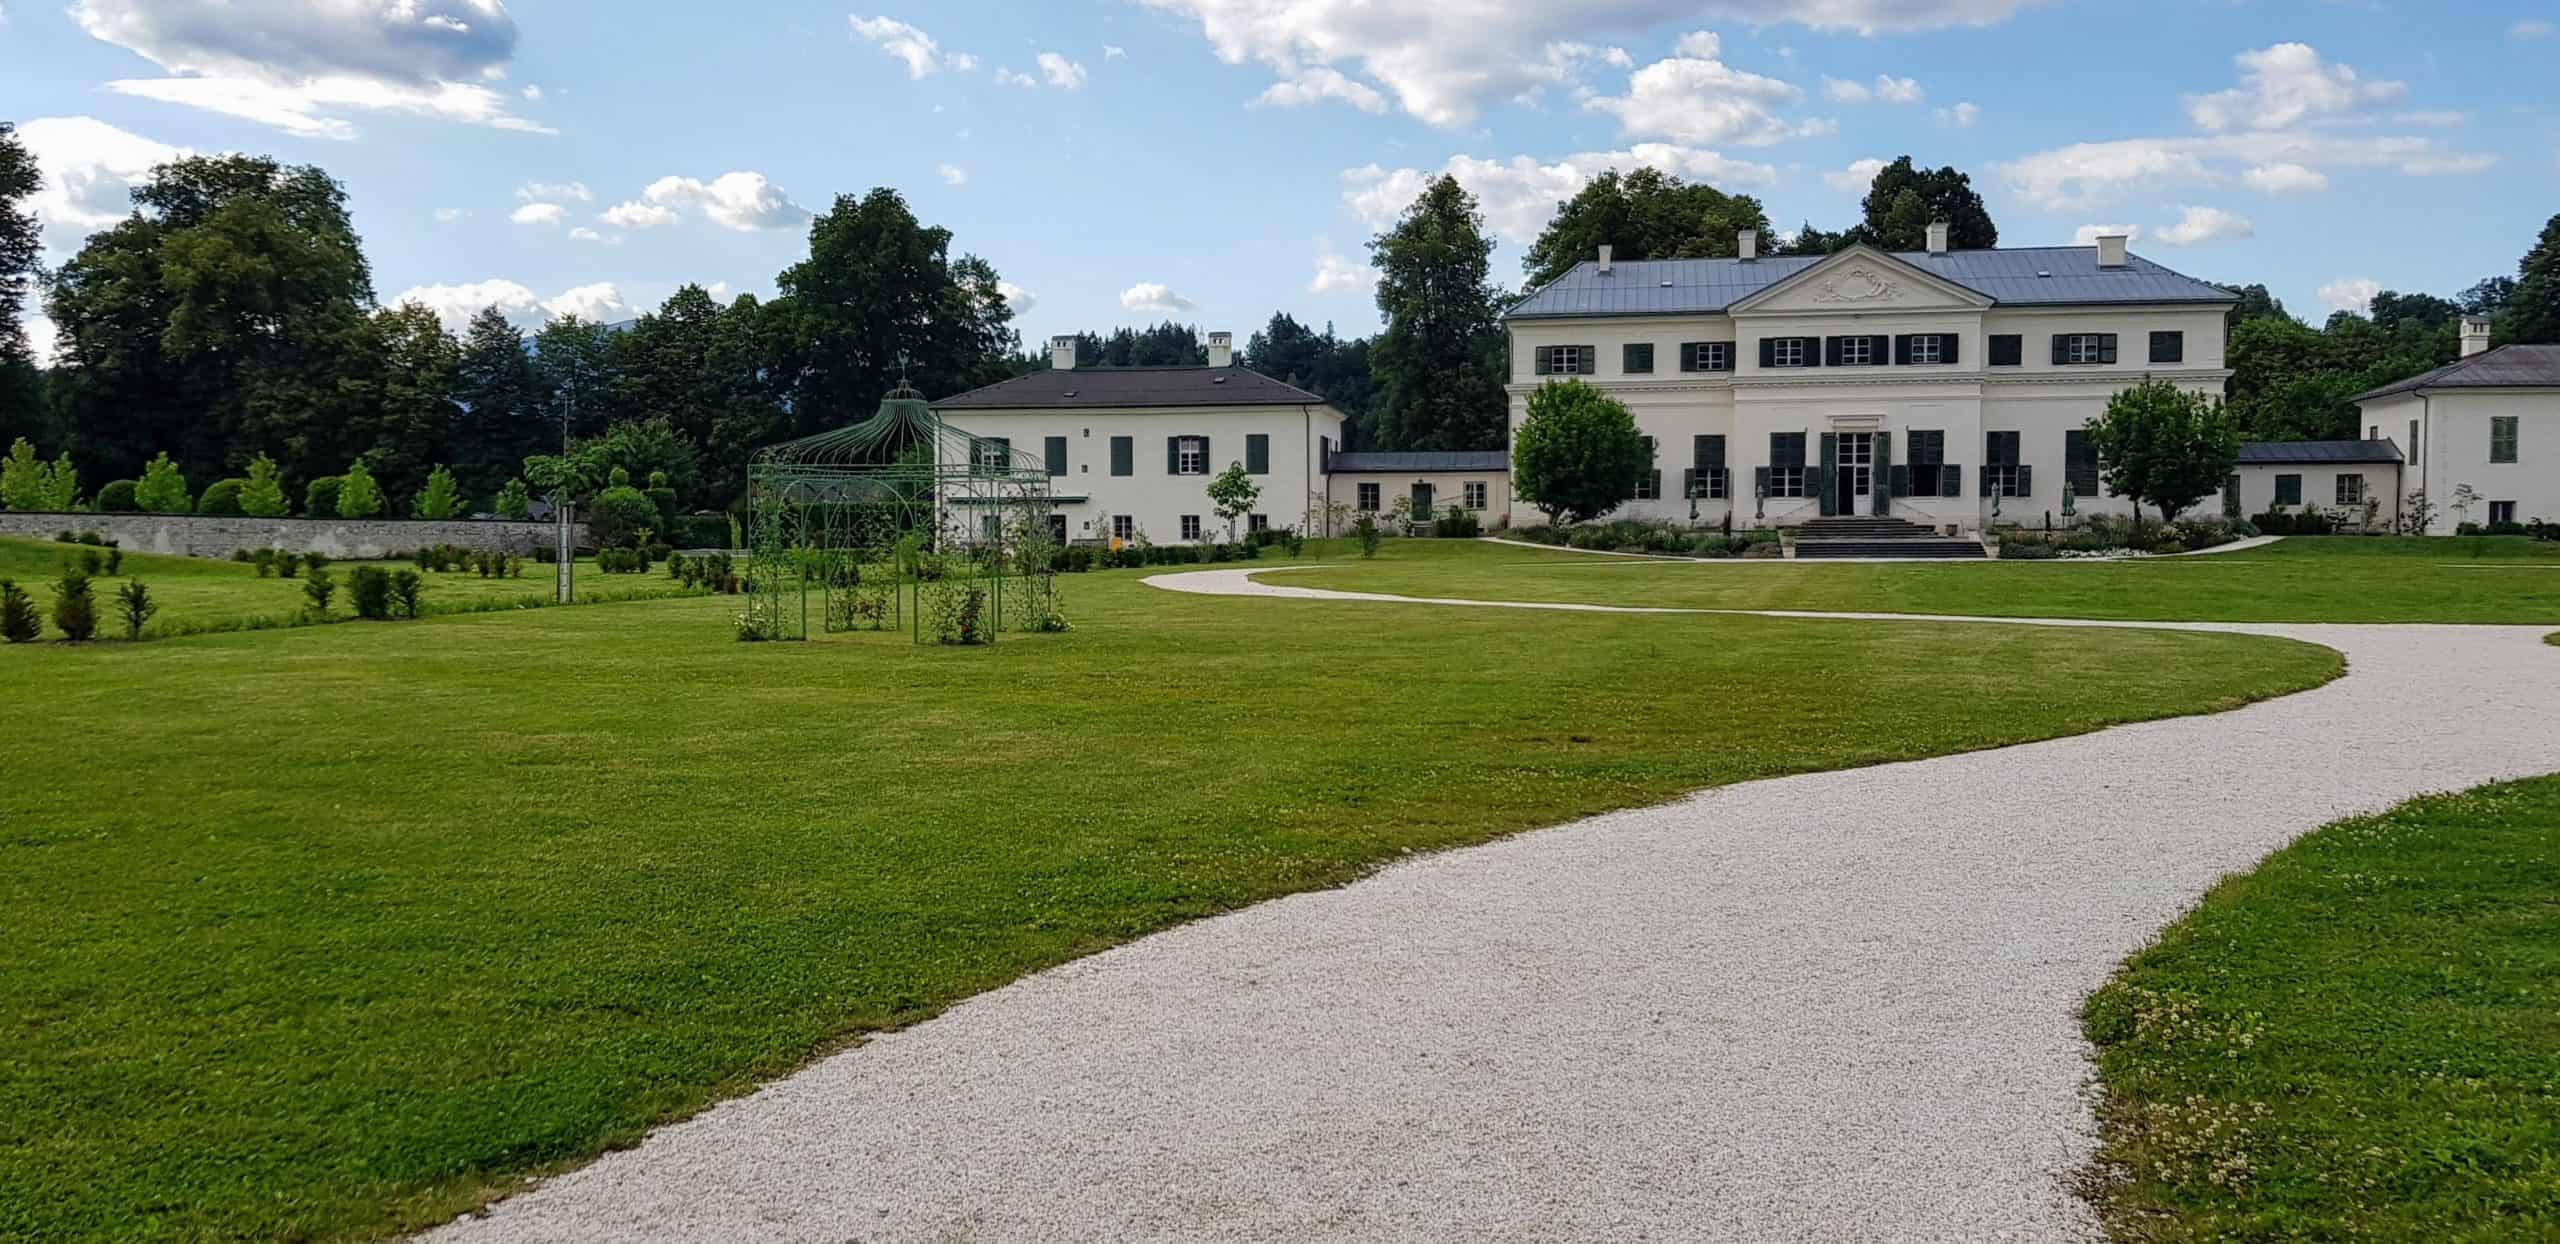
(1696, 98)
(1962, 116)
(543, 191)
(539, 214)
(89, 168)
(448, 215)
(1017, 298)
(2284, 85)
(2284, 178)
(1113, 51)
(1338, 275)
(638, 215)
(532, 93)
(1062, 73)
(1855, 179)
(2350, 293)
(2088, 235)
(2531, 28)
(1007, 77)
(953, 174)
(1443, 62)
(1152, 296)
(1520, 194)
(456, 304)
(1317, 84)
(585, 234)
(1887, 89)
(2087, 173)
(1845, 92)
(2449, 163)
(903, 42)
(2198, 225)
(294, 64)
(1898, 90)
(741, 201)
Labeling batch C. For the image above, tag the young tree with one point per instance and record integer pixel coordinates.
(2164, 446)
(163, 489)
(1578, 455)
(263, 495)
(514, 503)
(135, 606)
(437, 500)
(359, 497)
(1439, 360)
(1936, 194)
(19, 623)
(1646, 214)
(1233, 494)
(75, 610)
(2533, 305)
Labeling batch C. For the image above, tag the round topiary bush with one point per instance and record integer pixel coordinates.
(619, 515)
(321, 499)
(222, 497)
(117, 498)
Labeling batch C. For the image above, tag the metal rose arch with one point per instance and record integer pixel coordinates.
(899, 522)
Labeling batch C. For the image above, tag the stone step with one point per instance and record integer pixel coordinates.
(1927, 546)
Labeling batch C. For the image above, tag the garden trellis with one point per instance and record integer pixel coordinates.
(901, 521)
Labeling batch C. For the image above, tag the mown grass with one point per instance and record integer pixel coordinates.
(2358, 1040)
(2488, 579)
(336, 931)
(202, 596)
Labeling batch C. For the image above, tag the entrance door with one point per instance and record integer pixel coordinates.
(1422, 503)
(1857, 470)
(1058, 529)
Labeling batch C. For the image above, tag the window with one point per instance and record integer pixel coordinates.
(2168, 347)
(1055, 450)
(1190, 455)
(1123, 527)
(1928, 348)
(1784, 351)
(1190, 526)
(1257, 454)
(1857, 351)
(1707, 475)
(993, 454)
(1058, 528)
(2502, 438)
(2003, 475)
(1649, 480)
(991, 529)
(1257, 522)
(1368, 494)
(2501, 512)
(2079, 463)
(2351, 490)
(2007, 350)
(1706, 356)
(1786, 464)
(2288, 490)
(1636, 359)
(1474, 494)
(1928, 454)
(2083, 349)
(1565, 360)
(1124, 455)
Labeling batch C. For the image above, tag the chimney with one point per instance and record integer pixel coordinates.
(1062, 353)
(1938, 237)
(1607, 254)
(1747, 244)
(2111, 249)
(1222, 349)
(2475, 334)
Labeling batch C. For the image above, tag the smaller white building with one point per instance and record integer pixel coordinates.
(1478, 481)
(2483, 432)
(2358, 484)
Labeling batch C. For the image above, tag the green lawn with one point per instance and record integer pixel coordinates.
(199, 595)
(2358, 1040)
(332, 932)
(2316, 579)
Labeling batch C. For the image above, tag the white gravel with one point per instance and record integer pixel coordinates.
(1831, 1007)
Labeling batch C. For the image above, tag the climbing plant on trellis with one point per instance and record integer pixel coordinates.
(900, 521)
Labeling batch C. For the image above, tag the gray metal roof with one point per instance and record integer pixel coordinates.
(2023, 277)
(1433, 460)
(1121, 388)
(2266, 453)
(2507, 367)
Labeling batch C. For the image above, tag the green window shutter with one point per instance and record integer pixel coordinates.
(1768, 352)
(1902, 480)
(1830, 481)
(2106, 347)
(2026, 480)
(1947, 343)
(1055, 450)
(1173, 455)
(1715, 452)
(1208, 459)
(1902, 350)
(1124, 454)
(2061, 355)
(1257, 454)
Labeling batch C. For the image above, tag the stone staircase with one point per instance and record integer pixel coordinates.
(1877, 537)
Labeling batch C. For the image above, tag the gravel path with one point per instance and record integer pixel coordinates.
(1830, 1007)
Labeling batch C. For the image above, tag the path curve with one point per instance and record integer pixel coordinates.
(2236, 546)
(1838, 1006)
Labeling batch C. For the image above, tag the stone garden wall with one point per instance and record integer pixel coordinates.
(201, 535)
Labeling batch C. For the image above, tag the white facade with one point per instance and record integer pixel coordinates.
(1487, 493)
(2458, 454)
(1964, 410)
(2371, 495)
(1163, 485)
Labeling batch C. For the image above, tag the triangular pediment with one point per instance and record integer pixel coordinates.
(1861, 280)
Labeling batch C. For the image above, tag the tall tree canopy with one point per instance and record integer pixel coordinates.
(2533, 303)
(1903, 199)
(21, 389)
(1322, 363)
(504, 415)
(1438, 361)
(1646, 214)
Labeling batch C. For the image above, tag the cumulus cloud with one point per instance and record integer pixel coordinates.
(1007, 77)
(296, 64)
(454, 305)
(1017, 298)
(1886, 89)
(1442, 62)
(2284, 85)
(1520, 194)
(1338, 275)
(539, 214)
(1155, 297)
(742, 201)
(448, 215)
(1856, 178)
(2354, 293)
(2198, 225)
(585, 234)
(89, 169)
(2088, 235)
(636, 214)
(1062, 73)
(1319, 84)
(1113, 51)
(923, 56)
(1693, 97)
(2284, 178)
(2531, 28)
(1962, 115)
(547, 192)
(952, 174)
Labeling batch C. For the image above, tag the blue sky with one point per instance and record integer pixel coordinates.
(1215, 160)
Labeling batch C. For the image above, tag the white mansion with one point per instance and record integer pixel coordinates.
(1944, 387)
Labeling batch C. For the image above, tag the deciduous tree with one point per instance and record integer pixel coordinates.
(1233, 494)
(163, 488)
(1646, 214)
(2533, 307)
(359, 496)
(263, 495)
(1937, 194)
(1578, 455)
(2163, 446)
(1438, 362)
